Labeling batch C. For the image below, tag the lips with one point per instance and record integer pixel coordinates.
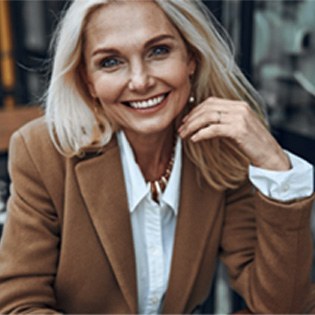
(148, 103)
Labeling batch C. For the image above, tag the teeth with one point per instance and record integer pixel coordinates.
(148, 103)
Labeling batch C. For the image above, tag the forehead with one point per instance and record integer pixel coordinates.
(135, 17)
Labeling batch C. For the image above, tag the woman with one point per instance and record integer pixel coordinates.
(136, 181)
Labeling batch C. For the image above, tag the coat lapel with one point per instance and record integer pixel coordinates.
(197, 212)
(102, 186)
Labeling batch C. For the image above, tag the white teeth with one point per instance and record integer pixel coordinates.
(149, 103)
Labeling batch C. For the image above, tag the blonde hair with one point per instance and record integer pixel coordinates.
(74, 126)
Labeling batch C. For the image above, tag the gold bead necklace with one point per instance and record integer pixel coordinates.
(158, 186)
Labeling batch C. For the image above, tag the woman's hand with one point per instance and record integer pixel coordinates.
(235, 120)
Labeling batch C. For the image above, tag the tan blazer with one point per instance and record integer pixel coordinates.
(67, 244)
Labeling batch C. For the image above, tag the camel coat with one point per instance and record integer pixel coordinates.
(67, 243)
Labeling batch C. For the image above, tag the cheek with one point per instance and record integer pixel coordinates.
(107, 90)
(114, 113)
(178, 75)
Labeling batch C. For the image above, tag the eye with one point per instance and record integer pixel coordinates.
(110, 63)
(159, 51)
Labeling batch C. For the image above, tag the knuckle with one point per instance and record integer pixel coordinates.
(244, 104)
(208, 116)
(242, 121)
(215, 129)
(242, 131)
(244, 107)
(212, 99)
(245, 111)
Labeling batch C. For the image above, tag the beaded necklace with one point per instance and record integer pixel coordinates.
(158, 186)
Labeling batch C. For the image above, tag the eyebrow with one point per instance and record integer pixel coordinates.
(158, 39)
(146, 45)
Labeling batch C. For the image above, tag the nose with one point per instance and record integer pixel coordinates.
(140, 78)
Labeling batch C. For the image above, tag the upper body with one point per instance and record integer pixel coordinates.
(67, 243)
(153, 70)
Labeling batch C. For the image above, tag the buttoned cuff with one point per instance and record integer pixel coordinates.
(296, 183)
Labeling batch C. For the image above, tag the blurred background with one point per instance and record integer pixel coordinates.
(274, 45)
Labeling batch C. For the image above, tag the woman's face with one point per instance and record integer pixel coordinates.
(137, 66)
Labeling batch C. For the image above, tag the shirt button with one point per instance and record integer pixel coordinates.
(285, 187)
(154, 300)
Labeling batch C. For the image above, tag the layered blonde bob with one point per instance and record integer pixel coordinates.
(75, 125)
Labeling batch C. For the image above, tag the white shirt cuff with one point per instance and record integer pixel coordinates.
(296, 183)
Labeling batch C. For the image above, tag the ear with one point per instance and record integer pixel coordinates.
(191, 66)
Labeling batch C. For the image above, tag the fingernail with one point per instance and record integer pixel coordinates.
(193, 138)
(181, 133)
(181, 130)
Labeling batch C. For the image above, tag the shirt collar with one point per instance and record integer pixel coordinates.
(137, 188)
(172, 191)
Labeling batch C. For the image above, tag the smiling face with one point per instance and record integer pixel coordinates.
(137, 66)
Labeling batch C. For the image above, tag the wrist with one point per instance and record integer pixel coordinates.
(276, 162)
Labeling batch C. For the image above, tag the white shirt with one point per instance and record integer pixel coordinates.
(153, 225)
(296, 183)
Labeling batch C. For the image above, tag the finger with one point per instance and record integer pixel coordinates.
(211, 132)
(202, 119)
(214, 104)
(193, 124)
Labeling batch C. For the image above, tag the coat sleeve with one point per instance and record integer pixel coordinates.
(267, 248)
(30, 241)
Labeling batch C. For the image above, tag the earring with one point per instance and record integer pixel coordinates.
(191, 100)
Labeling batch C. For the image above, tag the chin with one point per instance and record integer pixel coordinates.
(151, 129)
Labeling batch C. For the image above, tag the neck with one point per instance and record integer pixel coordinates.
(152, 152)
